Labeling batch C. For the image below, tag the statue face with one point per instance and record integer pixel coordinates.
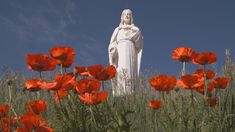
(126, 16)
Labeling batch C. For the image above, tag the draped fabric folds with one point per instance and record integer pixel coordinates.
(125, 51)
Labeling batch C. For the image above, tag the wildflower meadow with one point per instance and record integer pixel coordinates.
(54, 96)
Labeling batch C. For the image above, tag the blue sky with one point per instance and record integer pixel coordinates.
(35, 26)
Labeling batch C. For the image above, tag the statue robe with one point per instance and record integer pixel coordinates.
(125, 51)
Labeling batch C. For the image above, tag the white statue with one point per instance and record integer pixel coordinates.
(125, 51)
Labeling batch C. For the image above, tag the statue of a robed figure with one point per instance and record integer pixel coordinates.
(125, 51)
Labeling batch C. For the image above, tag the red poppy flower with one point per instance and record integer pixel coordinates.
(86, 85)
(163, 82)
(155, 104)
(7, 124)
(190, 81)
(60, 94)
(36, 85)
(183, 54)
(205, 58)
(209, 73)
(4, 109)
(33, 85)
(36, 106)
(100, 72)
(82, 71)
(94, 98)
(64, 81)
(211, 102)
(48, 85)
(64, 55)
(32, 122)
(220, 82)
(201, 89)
(40, 62)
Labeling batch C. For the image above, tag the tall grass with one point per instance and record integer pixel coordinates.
(130, 112)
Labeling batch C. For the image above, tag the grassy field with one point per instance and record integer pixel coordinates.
(179, 113)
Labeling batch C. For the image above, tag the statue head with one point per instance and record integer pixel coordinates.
(126, 17)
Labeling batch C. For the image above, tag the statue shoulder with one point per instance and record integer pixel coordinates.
(134, 28)
(114, 35)
(117, 28)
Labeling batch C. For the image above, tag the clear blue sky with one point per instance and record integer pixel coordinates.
(34, 26)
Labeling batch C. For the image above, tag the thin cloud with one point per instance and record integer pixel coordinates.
(70, 7)
(41, 28)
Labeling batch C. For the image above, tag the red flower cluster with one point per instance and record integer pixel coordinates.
(209, 73)
(220, 82)
(40, 62)
(31, 121)
(88, 90)
(163, 82)
(197, 81)
(4, 109)
(190, 81)
(185, 54)
(63, 82)
(98, 72)
(6, 123)
(36, 107)
(36, 85)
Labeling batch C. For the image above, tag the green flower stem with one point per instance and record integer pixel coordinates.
(163, 95)
(219, 99)
(61, 106)
(41, 78)
(192, 98)
(61, 68)
(2, 126)
(40, 75)
(205, 88)
(10, 100)
(102, 82)
(93, 116)
(183, 69)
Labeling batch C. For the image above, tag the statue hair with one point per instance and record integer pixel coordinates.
(122, 21)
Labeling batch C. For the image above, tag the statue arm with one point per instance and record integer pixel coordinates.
(138, 39)
(112, 50)
(114, 35)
